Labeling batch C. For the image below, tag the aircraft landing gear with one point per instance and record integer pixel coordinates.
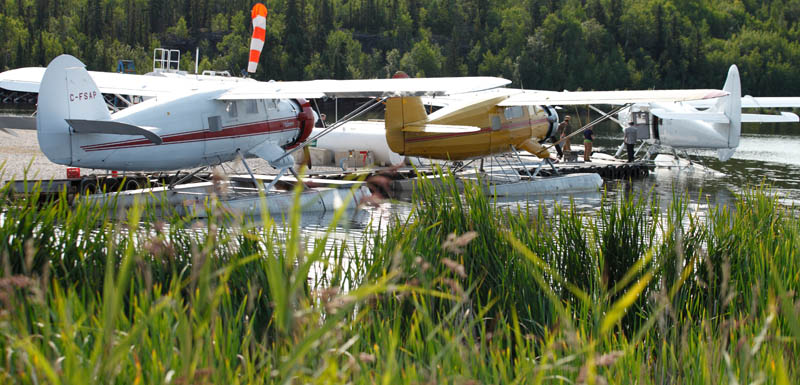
(185, 178)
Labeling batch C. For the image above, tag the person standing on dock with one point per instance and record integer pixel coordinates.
(630, 140)
(556, 143)
(563, 131)
(588, 137)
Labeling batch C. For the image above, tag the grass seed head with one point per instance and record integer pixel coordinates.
(326, 295)
(455, 267)
(423, 265)
(9, 285)
(455, 287)
(366, 357)
(339, 302)
(604, 360)
(455, 244)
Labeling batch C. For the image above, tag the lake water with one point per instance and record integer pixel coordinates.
(772, 158)
(766, 154)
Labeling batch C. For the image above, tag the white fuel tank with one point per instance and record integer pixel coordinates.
(360, 136)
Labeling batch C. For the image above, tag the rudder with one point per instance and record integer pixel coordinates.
(66, 92)
(401, 112)
(731, 106)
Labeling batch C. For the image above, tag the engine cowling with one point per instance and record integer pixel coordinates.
(552, 117)
(306, 119)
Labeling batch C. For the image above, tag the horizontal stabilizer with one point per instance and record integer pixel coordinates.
(756, 102)
(112, 128)
(784, 117)
(711, 117)
(18, 122)
(466, 107)
(440, 129)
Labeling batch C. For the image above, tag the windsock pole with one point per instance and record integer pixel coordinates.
(259, 15)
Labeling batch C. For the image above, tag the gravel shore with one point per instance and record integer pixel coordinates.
(22, 152)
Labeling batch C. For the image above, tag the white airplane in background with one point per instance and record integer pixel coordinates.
(703, 124)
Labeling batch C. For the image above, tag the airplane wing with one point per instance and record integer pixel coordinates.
(529, 98)
(363, 88)
(272, 153)
(784, 117)
(22, 79)
(755, 102)
(516, 97)
(28, 79)
(468, 97)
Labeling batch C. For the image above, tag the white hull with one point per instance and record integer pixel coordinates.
(192, 198)
(572, 183)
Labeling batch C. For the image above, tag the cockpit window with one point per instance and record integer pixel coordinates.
(232, 111)
(513, 112)
(252, 106)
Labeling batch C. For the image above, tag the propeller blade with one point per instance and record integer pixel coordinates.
(307, 156)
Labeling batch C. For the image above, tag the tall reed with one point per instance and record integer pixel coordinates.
(459, 291)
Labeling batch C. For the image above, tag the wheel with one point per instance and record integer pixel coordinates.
(132, 184)
(88, 187)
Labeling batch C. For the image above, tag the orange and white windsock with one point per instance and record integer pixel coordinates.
(259, 15)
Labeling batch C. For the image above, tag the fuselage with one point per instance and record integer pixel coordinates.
(677, 133)
(196, 131)
(500, 128)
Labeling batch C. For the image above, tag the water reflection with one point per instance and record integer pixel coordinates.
(771, 159)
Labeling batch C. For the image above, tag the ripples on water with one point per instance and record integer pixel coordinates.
(773, 159)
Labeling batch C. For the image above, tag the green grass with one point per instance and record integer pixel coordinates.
(459, 292)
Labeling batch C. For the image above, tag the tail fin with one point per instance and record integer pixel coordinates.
(66, 92)
(401, 112)
(731, 106)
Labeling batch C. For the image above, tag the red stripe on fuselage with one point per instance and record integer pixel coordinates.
(230, 132)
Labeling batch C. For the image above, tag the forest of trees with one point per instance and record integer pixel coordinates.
(540, 44)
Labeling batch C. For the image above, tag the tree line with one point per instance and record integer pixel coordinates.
(538, 44)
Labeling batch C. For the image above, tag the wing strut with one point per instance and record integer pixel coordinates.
(591, 124)
(355, 114)
(613, 119)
